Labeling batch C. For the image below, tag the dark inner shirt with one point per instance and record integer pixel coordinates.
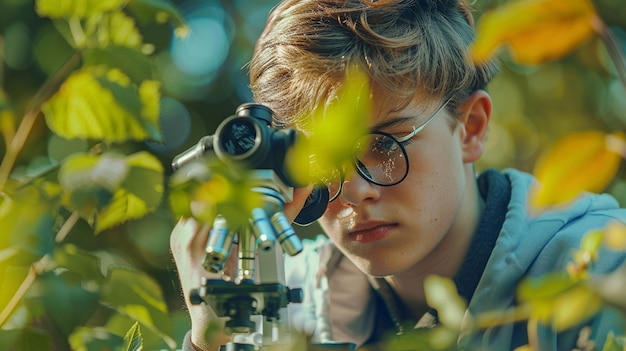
(495, 189)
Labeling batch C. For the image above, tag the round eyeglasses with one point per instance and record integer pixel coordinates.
(382, 158)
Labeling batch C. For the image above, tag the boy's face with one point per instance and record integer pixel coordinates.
(387, 230)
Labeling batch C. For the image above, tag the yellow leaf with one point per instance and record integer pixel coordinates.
(586, 255)
(578, 162)
(334, 129)
(442, 295)
(615, 236)
(75, 8)
(536, 31)
(539, 294)
(574, 306)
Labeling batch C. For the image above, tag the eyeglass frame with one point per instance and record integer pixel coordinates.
(400, 142)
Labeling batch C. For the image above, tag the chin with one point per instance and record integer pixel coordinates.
(376, 268)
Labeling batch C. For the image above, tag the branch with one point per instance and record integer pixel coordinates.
(612, 48)
(21, 135)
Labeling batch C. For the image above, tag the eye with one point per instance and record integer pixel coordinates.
(384, 145)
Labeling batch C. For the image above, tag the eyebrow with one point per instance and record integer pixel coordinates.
(393, 122)
(400, 120)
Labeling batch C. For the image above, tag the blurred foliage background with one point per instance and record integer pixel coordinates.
(204, 79)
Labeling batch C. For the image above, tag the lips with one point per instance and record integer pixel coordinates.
(371, 231)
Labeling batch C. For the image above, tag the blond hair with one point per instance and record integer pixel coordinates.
(407, 46)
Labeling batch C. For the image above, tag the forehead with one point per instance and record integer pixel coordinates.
(386, 106)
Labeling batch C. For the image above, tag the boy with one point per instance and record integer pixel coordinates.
(421, 209)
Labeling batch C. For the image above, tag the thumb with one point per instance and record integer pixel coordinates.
(299, 198)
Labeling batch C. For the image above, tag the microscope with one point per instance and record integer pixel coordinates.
(254, 300)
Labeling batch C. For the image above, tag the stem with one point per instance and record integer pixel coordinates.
(67, 226)
(612, 48)
(35, 269)
(533, 337)
(21, 135)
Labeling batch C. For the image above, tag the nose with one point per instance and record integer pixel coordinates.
(357, 190)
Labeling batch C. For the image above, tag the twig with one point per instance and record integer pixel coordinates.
(21, 135)
(35, 269)
(67, 226)
(612, 48)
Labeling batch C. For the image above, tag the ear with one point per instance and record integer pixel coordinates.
(475, 115)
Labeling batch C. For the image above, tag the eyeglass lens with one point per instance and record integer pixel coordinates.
(382, 161)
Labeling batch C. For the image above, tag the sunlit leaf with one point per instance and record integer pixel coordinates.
(133, 340)
(541, 293)
(204, 189)
(75, 8)
(335, 127)
(578, 162)
(138, 296)
(140, 192)
(114, 29)
(27, 222)
(89, 181)
(574, 307)
(558, 301)
(7, 118)
(442, 295)
(586, 255)
(535, 30)
(111, 188)
(103, 105)
(26, 219)
(614, 343)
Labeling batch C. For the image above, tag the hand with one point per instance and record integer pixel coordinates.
(187, 242)
(299, 198)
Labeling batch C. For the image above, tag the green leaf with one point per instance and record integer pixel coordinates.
(614, 343)
(101, 104)
(140, 193)
(204, 189)
(133, 340)
(89, 181)
(98, 338)
(26, 219)
(63, 293)
(26, 339)
(136, 65)
(79, 262)
(160, 11)
(75, 8)
(8, 338)
(138, 296)
(110, 188)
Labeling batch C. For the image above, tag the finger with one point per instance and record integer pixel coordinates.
(299, 198)
(189, 237)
